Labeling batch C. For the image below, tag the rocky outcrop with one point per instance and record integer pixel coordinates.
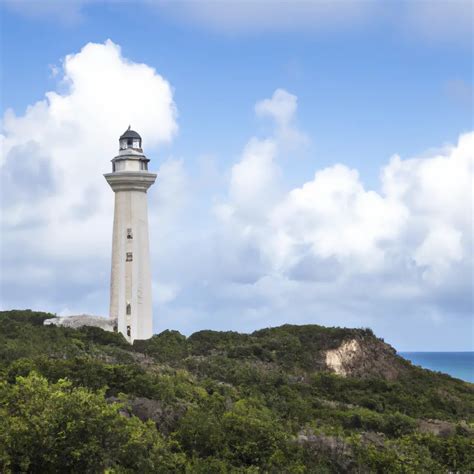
(341, 359)
(334, 447)
(166, 416)
(364, 357)
(81, 320)
(437, 427)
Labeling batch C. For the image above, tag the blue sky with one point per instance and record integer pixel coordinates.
(369, 81)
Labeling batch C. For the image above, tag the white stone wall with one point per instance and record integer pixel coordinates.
(81, 320)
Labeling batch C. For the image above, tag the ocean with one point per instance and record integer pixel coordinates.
(456, 364)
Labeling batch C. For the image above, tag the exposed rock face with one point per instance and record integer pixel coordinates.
(335, 447)
(364, 358)
(437, 427)
(165, 416)
(341, 359)
(81, 320)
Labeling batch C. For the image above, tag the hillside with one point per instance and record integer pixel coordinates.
(288, 399)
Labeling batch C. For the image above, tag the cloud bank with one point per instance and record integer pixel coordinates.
(328, 251)
(401, 255)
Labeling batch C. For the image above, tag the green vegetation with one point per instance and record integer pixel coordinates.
(221, 402)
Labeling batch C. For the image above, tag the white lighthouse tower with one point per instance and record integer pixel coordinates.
(130, 285)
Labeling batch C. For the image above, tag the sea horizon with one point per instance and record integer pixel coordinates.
(458, 364)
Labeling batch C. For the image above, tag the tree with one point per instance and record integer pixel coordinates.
(57, 428)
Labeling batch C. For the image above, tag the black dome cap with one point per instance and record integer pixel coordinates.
(130, 134)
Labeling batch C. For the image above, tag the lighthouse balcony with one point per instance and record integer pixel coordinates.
(127, 180)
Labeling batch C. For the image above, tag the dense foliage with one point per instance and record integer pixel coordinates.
(217, 402)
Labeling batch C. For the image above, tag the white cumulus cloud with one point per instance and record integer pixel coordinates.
(331, 246)
(422, 213)
(56, 205)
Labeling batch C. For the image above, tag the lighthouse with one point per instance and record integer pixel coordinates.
(130, 282)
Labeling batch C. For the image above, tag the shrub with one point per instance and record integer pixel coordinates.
(58, 428)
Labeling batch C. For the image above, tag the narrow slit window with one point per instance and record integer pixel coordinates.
(129, 233)
(129, 257)
(129, 309)
(128, 330)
